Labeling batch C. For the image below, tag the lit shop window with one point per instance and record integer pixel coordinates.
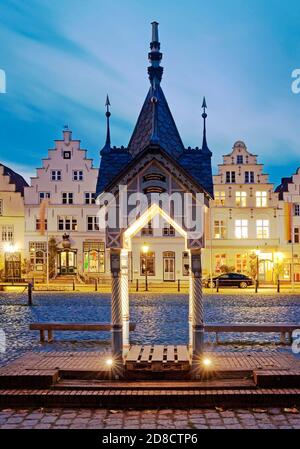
(241, 263)
(94, 257)
(220, 259)
(149, 261)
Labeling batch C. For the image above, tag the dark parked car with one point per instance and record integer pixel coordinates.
(230, 280)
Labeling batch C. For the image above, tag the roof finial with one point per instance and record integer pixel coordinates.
(204, 115)
(108, 114)
(155, 56)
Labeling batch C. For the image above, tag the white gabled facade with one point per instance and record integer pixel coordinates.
(243, 217)
(67, 179)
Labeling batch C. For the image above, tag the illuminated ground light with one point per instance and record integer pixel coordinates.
(206, 362)
(109, 362)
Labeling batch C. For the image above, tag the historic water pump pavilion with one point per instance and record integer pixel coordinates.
(154, 165)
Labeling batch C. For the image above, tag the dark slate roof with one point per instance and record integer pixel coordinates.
(112, 163)
(197, 163)
(15, 178)
(283, 187)
(160, 117)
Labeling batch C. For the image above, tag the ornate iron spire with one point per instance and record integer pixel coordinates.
(107, 145)
(154, 70)
(204, 115)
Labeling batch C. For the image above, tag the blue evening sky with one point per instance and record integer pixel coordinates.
(61, 57)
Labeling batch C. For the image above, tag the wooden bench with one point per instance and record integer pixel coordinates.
(90, 327)
(284, 329)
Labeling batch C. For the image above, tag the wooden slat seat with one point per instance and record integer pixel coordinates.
(60, 326)
(285, 329)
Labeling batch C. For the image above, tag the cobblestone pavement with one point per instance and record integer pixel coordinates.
(272, 418)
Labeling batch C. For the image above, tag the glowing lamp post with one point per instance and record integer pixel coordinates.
(145, 250)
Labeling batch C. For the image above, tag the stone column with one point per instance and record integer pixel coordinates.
(197, 304)
(116, 303)
(125, 299)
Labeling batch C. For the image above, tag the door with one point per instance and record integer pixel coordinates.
(12, 267)
(67, 262)
(169, 265)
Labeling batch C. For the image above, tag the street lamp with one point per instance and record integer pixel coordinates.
(145, 249)
(257, 252)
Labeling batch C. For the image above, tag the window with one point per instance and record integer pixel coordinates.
(67, 154)
(185, 263)
(43, 196)
(92, 223)
(241, 229)
(219, 198)
(219, 229)
(296, 235)
(168, 230)
(94, 257)
(38, 225)
(38, 252)
(297, 210)
(89, 198)
(249, 177)
(1, 207)
(239, 159)
(241, 263)
(7, 233)
(220, 260)
(67, 197)
(262, 229)
(147, 230)
(77, 175)
(67, 224)
(150, 260)
(241, 199)
(261, 199)
(55, 175)
(230, 176)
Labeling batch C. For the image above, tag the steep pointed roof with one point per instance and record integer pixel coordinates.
(155, 124)
(156, 127)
